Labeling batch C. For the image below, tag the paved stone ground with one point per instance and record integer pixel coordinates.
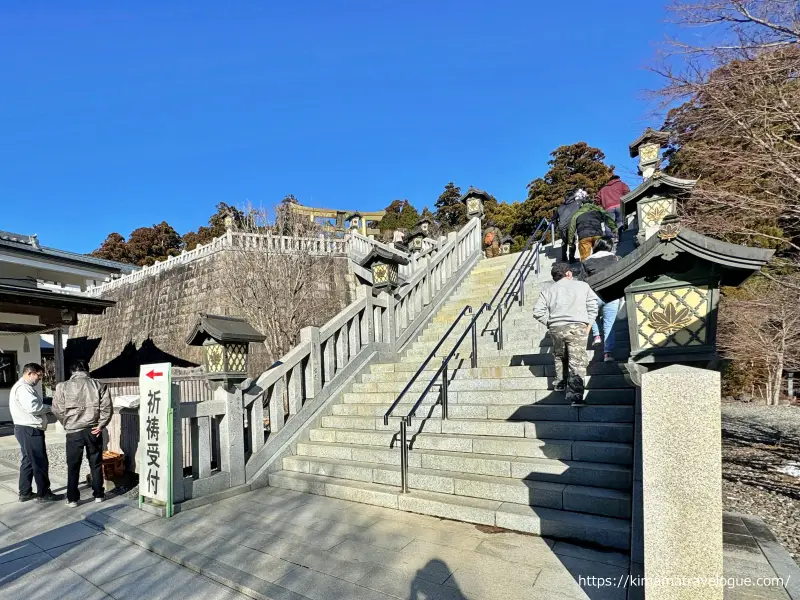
(284, 545)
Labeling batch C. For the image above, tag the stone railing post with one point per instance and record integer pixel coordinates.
(177, 446)
(677, 512)
(313, 370)
(231, 434)
(389, 324)
(452, 260)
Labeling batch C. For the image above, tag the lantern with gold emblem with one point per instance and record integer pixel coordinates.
(226, 344)
(671, 288)
(473, 200)
(385, 267)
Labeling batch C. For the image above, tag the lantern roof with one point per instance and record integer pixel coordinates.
(475, 192)
(664, 184)
(355, 213)
(383, 255)
(508, 240)
(650, 136)
(427, 220)
(659, 254)
(223, 330)
(415, 233)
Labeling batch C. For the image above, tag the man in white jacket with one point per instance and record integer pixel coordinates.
(29, 414)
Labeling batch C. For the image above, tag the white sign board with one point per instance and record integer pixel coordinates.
(155, 433)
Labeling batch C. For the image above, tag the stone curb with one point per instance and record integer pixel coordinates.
(779, 559)
(227, 575)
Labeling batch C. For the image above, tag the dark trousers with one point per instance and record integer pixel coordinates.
(34, 463)
(76, 442)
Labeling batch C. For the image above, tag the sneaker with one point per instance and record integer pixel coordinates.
(607, 357)
(49, 497)
(98, 500)
(561, 386)
(27, 497)
(72, 504)
(597, 341)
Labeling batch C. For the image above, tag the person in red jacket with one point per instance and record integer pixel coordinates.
(610, 198)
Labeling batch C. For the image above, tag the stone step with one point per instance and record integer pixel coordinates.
(561, 524)
(501, 397)
(537, 382)
(542, 430)
(513, 331)
(491, 358)
(488, 411)
(584, 499)
(422, 348)
(536, 367)
(600, 452)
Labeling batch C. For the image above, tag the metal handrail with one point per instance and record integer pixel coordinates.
(514, 266)
(442, 370)
(467, 309)
(532, 257)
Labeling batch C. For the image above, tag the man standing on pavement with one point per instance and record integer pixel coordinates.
(610, 198)
(568, 308)
(29, 414)
(83, 406)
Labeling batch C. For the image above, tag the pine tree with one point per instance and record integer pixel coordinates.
(451, 214)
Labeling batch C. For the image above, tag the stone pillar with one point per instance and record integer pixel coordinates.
(58, 352)
(681, 449)
(178, 492)
(313, 374)
(231, 433)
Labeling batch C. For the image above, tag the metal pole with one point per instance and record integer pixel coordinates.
(552, 234)
(403, 457)
(474, 361)
(500, 327)
(522, 289)
(445, 386)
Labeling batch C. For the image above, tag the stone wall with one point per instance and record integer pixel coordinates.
(153, 316)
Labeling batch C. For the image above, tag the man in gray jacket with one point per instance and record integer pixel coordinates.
(568, 308)
(83, 406)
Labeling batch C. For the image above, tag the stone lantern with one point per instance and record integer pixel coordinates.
(226, 346)
(655, 199)
(505, 247)
(474, 199)
(671, 288)
(648, 148)
(385, 267)
(357, 222)
(414, 239)
(425, 225)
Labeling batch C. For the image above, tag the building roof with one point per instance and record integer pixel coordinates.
(29, 244)
(659, 253)
(222, 329)
(70, 305)
(649, 136)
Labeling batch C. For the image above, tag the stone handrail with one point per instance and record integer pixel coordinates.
(328, 355)
(232, 239)
(229, 430)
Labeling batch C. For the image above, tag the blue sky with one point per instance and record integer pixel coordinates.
(118, 115)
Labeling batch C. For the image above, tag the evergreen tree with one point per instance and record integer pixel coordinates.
(451, 214)
(571, 167)
(114, 247)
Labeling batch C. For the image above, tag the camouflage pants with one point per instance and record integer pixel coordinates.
(569, 349)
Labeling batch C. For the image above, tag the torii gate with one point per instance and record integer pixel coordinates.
(340, 216)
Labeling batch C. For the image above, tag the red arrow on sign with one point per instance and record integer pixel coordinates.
(152, 374)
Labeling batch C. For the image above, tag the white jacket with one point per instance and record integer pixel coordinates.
(26, 406)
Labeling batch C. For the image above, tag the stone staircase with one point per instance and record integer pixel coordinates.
(512, 454)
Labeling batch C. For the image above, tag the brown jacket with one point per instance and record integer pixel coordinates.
(82, 403)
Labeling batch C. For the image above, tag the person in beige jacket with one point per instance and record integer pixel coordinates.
(83, 406)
